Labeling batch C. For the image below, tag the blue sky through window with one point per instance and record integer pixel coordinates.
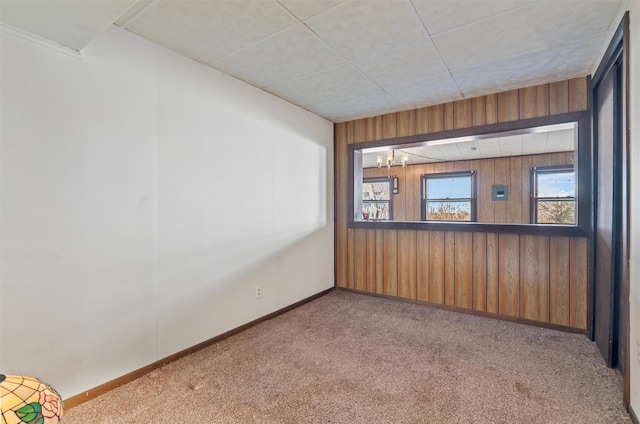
(556, 184)
(449, 187)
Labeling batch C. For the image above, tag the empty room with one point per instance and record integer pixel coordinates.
(319, 211)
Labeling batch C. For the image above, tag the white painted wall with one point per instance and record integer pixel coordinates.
(634, 113)
(143, 197)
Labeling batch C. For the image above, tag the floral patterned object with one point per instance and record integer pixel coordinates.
(28, 400)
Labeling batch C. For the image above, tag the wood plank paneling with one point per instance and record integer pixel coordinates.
(578, 261)
(514, 204)
(559, 280)
(407, 264)
(493, 273)
(534, 278)
(449, 267)
(463, 270)
(371, 261)
(341, 206)
(422, 120)
(436, 118)
(389, 127)
(479, 114)
(508, 109)
(406, 122)
(491, 108)
(423, 259)
(559, 97)
(578, 99)
(390, 251)
(360, 259)
(534, 101)
(436, 266)
(379, 261)
(448, 116)
(479, 258)
(463, 114)
(485, 179)
(509, 274)
(351, 266)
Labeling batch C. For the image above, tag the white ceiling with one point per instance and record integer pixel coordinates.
(345, 59)
(552, 139)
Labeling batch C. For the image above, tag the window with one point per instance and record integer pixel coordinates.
(553, 195)
(377, 202)
(449, 196)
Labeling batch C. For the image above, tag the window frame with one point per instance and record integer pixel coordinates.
(533, 204)
(424, 200)
(388, 180)
(583, 163)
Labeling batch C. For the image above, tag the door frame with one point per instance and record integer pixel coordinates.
(617, 50)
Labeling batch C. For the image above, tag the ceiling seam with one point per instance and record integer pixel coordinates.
(427, 36)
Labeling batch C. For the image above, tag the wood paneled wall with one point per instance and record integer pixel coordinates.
(537, 278)
(514, 171)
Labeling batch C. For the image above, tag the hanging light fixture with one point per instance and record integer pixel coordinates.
(390, 159)
(379, 161)
(405, 159)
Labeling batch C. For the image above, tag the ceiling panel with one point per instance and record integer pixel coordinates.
(538, 25)
(72, 24)
(348, 59)
(384, 39)
(288, 54)
(304, 9)
(443, 15)
(208, 30)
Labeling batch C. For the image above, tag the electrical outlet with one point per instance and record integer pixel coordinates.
(258, 292)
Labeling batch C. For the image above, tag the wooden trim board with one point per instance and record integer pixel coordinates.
(127, 378)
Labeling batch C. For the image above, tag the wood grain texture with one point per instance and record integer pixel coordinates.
(516, 187)
(479, 113)
(493, 273)
(534, 278)
(508, 108)
(371, 261)
(463, 114)
(479, 258)
(559, 97)
(423, 259)
(389, 128)
(578, 261)
(436, 267)
(360, 259)
(407, 264)
(491, 108)
(463, 291)
(448, 116)
(406, 122)
(436, 118)
(534, 101)
(509, 274)
(351, 266)
(341, 168)
(379, 261)
(390, 262)
(422, 120)
(449, 267)
(559, 280)
(578, 99)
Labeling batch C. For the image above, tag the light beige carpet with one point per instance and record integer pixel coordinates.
(348, 358)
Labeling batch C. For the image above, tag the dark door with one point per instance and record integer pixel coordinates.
(611, 224)
(605, 199)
